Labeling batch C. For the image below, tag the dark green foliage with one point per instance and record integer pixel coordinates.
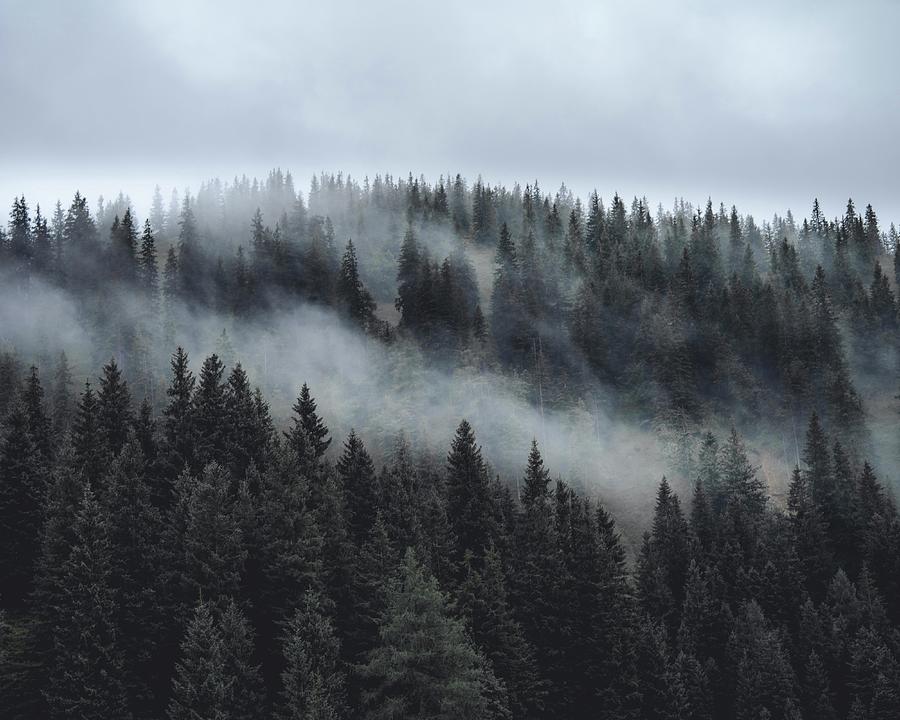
(312, 682)
(424, 666)
(764, 677)
(208, 413)
(179, 430)
(212, 544)
(201, 687)
(115, 415)
(128, 534)
(87, 677)
(308, 436)
(356, 301)
(88, 441)
(360, 486)
(483, 601)
(23, 475)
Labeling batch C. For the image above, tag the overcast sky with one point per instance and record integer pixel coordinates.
(761, 104)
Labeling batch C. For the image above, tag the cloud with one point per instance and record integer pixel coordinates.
(764, 106)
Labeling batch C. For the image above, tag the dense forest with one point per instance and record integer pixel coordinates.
(242, 476)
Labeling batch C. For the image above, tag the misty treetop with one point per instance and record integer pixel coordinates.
(225, 540)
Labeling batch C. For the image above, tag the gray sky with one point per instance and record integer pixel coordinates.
(761, 104)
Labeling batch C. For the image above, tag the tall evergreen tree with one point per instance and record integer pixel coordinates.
(312, 682)
(87, 675)
(424, 665)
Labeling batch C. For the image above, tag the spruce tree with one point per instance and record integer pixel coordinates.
(87, 671)
(352, 295)
(135, 528)
(201, 687)
(424, 666)
(313, 685)
(39, 425)
(483, 602)
(179, 433)
(470, 506)
(245, 693)
(148, 270)
(22, 486)
(115, 415)
(308, 436)
(360, 487)
(209, 413)
(213, 543)
(88, 441)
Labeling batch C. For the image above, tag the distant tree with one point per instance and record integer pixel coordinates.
(352, 295)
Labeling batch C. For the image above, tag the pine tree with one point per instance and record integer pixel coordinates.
(664, 559)
(213, 543)
(123, 245)
(290, 541)
(87, 438)
(87, 676)
(115, 417)
(190, 270)
(352, 295)
(312, 682)
(308, 435)
(245, 692)
(424, 665)
(22, 482)
(483, 602)
(179, 431)
(810, 541)
(148, 270)
(248, 433)
(360, 487)
(470, 506)
(817, 702)
(744, 492)
(201, 687)
(39, 425)
(135, 528)
(408, 280)
(62, 395)
(209, 413)
(764, 680)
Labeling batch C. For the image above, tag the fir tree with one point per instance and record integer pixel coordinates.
(201, 687)
(470, 507)
(355, 299)
(115, 416)
(22, 484)
(308, 435)
(424, 665)
(87, 676)
(360, 487)
(312, 682)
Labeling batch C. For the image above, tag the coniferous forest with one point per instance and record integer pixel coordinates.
(436, 448)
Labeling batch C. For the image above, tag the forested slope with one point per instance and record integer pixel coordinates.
(178, 542)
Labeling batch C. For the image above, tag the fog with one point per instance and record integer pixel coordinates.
(385, 392)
